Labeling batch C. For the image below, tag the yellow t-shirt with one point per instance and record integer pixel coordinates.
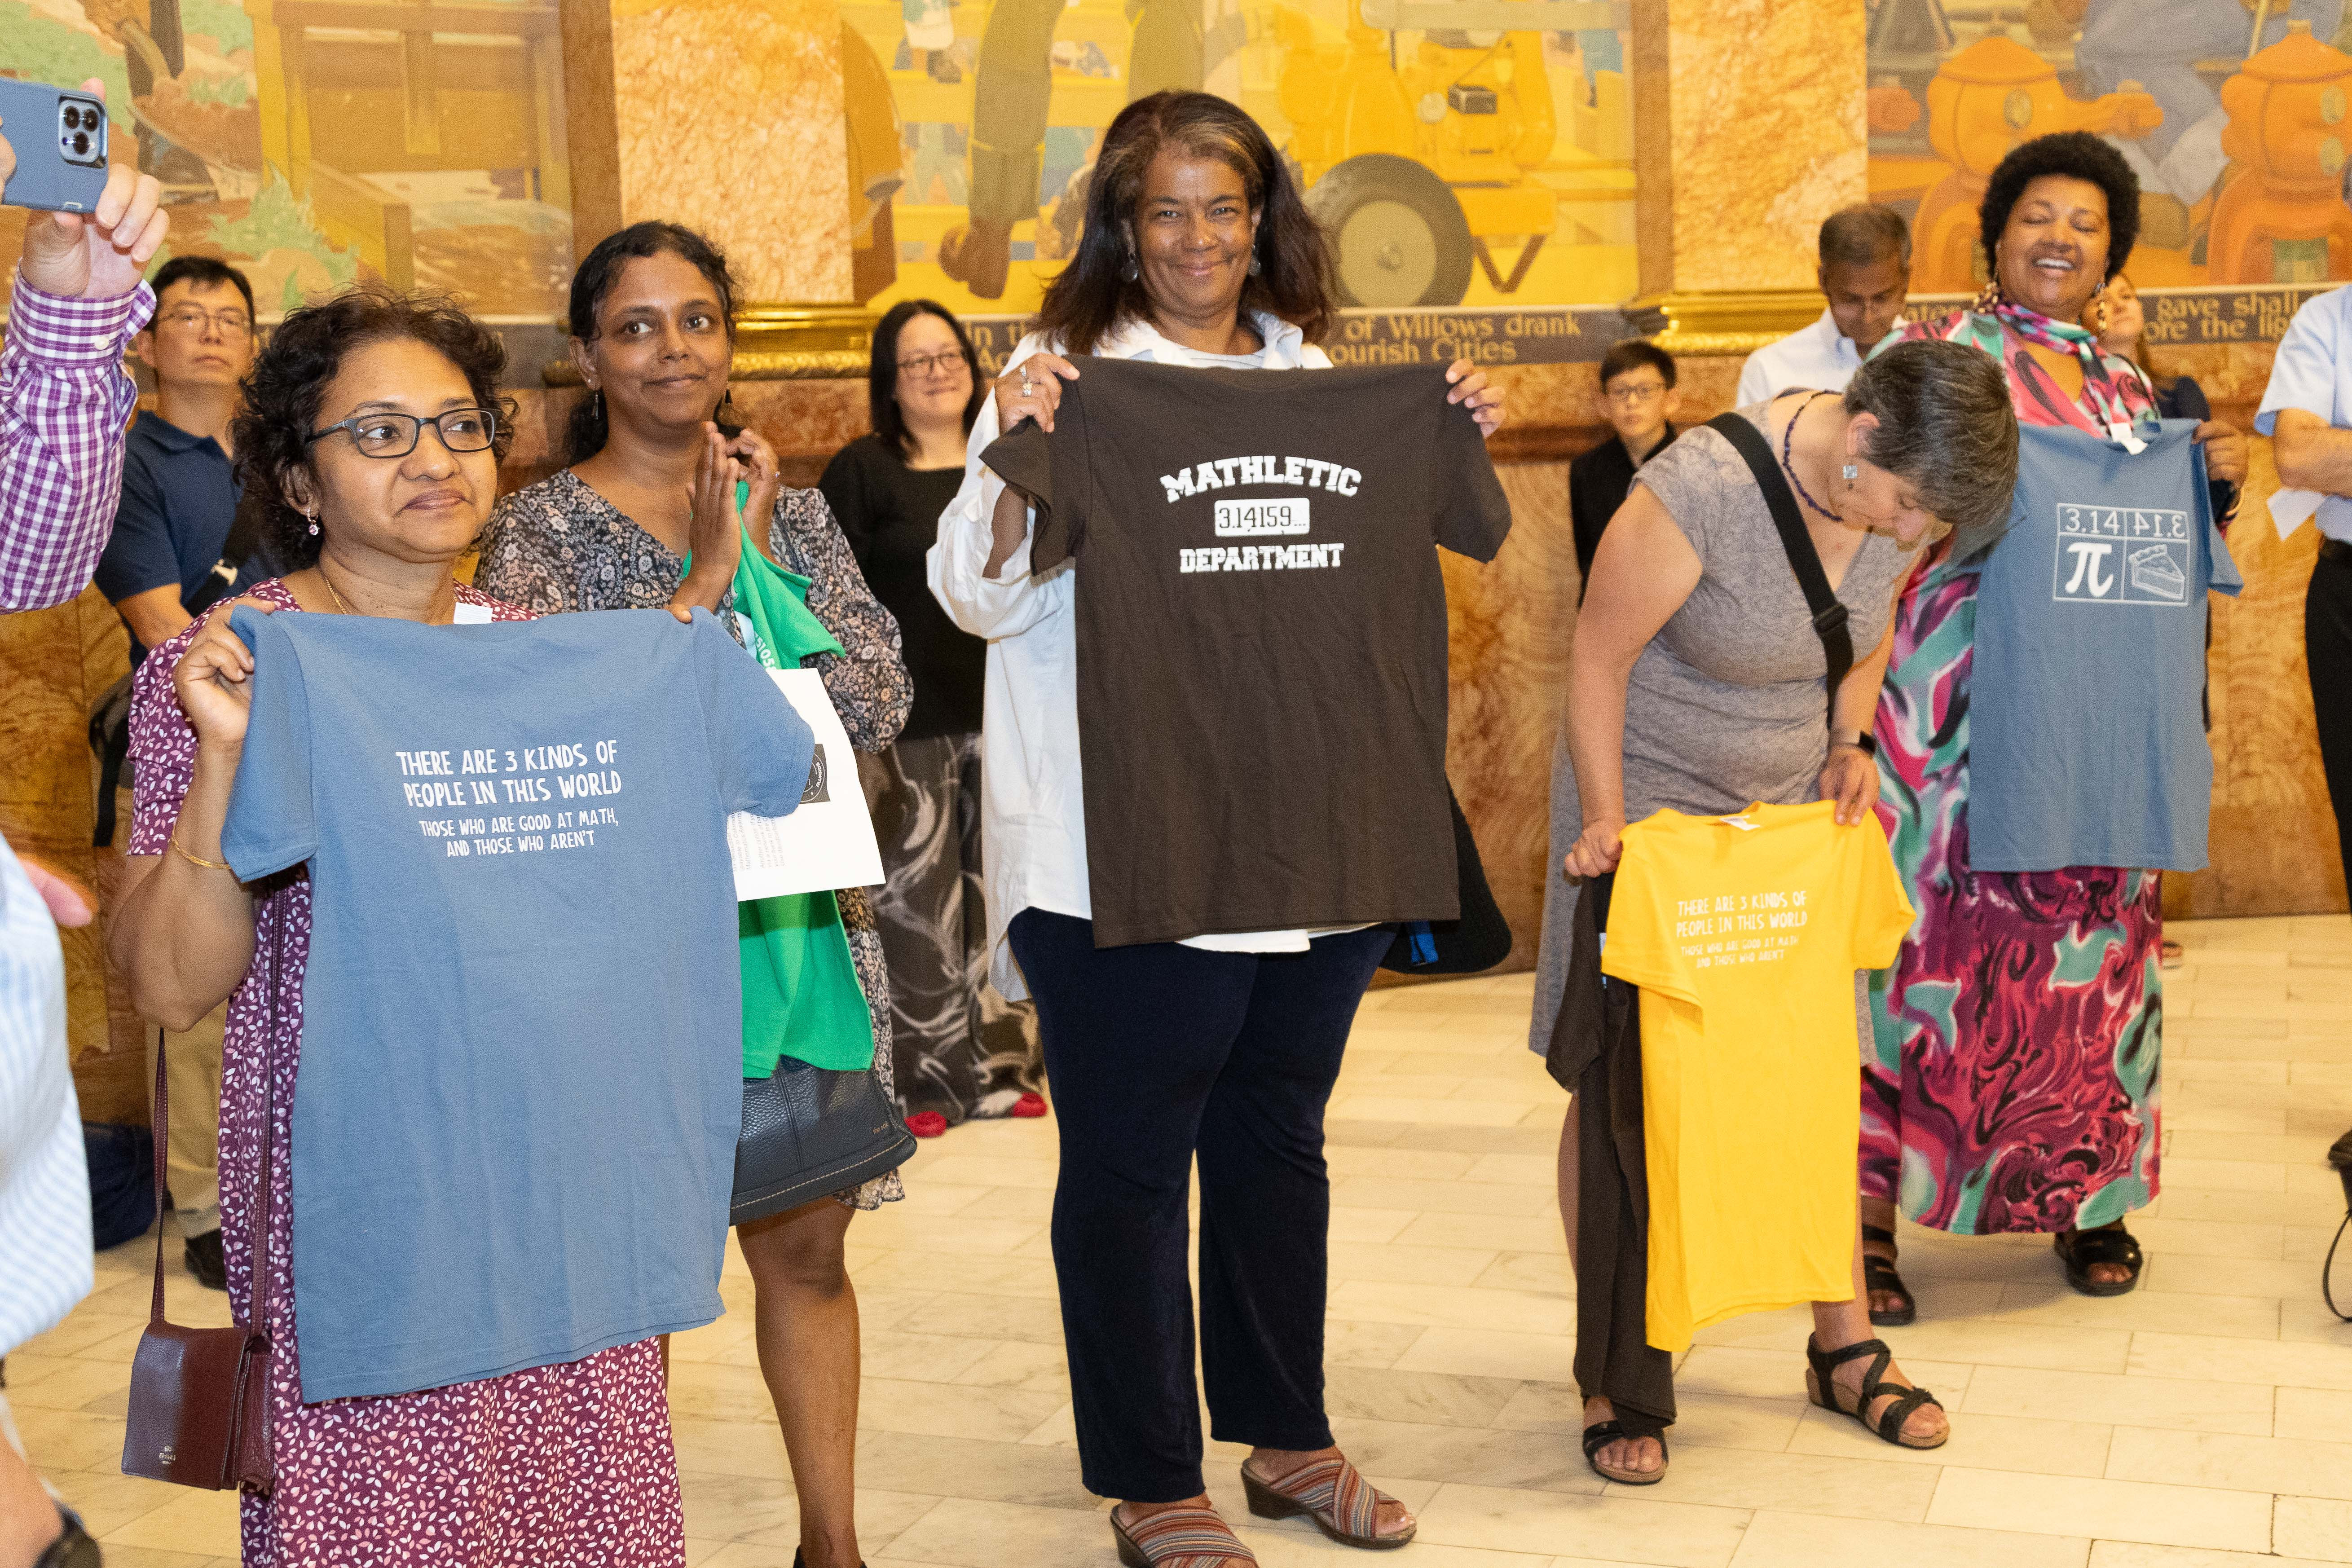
(1744, 935)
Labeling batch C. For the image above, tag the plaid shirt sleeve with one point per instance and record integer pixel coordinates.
(65, 404)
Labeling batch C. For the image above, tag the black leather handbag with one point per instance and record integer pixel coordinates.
(809, 1131)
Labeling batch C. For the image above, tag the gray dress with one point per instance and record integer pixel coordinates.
(1728, 704)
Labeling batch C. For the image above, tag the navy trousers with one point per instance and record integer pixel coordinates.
(1159, 1055)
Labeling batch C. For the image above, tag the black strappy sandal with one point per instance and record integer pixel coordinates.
(2109, 1244)
(1633, 1426)
(1879, 1277)
(1821, 1387)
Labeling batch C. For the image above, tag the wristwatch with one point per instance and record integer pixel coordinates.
(1864, 740)
(73, 1549)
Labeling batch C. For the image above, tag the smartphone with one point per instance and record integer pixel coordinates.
(59, 135)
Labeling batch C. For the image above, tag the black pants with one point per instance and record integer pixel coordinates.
(1156, 1053)
(2327, 649)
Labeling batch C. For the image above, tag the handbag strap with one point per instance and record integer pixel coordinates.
(254, 1326)
(1829, 615)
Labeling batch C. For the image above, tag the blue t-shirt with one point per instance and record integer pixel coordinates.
(514, 1128)
(2086, 739)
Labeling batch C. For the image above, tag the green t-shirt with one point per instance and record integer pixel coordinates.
(801, 995)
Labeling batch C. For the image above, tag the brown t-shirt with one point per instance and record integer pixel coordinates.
(1261, 636)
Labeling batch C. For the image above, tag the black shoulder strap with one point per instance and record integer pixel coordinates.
(1829, 615)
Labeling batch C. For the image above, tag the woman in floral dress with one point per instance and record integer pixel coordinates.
(2017, 1037)
(656, 303)
(569, 1463)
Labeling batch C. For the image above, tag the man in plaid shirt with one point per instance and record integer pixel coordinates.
(64, 405)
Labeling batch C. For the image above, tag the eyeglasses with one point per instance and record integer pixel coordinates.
(1635, 395)
(395, 435)
(942, 364)
(230, 322)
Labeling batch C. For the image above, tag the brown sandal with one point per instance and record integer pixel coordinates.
(1335, 1495)
(1179, 1538)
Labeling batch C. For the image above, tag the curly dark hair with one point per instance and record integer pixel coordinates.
(2078, 155)
(882, 372)
(1091, 295)
(289, 381)
(585, 433)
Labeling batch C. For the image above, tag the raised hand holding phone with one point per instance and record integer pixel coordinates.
(99, 254)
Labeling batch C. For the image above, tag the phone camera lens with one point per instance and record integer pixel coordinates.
(81, 144)
(73, 117)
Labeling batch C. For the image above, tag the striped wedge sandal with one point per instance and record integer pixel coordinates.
(1335, 1495)
(1179, 1538)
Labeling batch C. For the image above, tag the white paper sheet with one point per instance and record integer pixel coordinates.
(828, 841)
(2290, 510)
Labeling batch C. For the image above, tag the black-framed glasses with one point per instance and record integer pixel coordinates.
(946, 362)
(388, 434)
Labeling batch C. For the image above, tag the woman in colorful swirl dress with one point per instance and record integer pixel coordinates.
(2018, 1036)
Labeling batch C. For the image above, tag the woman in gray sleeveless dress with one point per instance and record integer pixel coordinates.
(1698, 683)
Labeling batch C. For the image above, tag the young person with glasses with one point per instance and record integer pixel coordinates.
(960, 1049)
(1638, 401)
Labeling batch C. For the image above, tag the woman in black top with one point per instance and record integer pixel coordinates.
(960, 1050)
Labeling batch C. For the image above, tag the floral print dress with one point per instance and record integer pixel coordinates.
(2017, 1039)
(569, 1463)
(557, 546)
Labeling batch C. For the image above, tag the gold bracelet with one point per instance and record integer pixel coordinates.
(195, 860)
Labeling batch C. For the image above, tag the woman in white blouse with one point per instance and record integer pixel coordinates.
(1198, 250)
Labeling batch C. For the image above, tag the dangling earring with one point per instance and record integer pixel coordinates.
(1851, 473)
(598, 394)
(314, 523)
(1130, 271)
(725, 413)
(1257, 263)
(1988, 296)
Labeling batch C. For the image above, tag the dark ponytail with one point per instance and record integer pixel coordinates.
(589, 427)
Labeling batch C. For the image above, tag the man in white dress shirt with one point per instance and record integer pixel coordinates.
(1865, 270)
(2307, 412)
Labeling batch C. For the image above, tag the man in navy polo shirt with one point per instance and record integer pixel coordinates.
(179, 487)
(163, 566)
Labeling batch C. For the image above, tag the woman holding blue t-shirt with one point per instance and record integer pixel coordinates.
(652, 308)
(371, 432)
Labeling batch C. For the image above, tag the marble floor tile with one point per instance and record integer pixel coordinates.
(2304, 1467)
(1425, 1398)
(1458, 1307)
(1493, 1353)
(2240, 1317)
(1630, 1529)
(2122, 1401)
(2159, 1515)
(2130, 1554)
(1034, 1475)
(1706, 1420)
(1841, 1486)
(2279, 1364)
(2316, 1528)
(2314, 1414)
(202, 1522)
(1793, 1539)
(1376, 1262)
(954, 1410)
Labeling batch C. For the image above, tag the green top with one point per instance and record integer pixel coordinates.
(801, 995)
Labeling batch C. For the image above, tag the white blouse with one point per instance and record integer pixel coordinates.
(1033, 801)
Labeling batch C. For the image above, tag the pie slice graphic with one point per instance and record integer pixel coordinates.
(2152, 571)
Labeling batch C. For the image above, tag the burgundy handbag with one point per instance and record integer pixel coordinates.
(200, 1397)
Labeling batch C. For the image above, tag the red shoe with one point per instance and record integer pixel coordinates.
(926, 1125)
(1031, 1104)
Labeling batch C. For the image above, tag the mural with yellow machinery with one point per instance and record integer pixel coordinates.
(315, 141)
(2232, 112)
(1461, 152)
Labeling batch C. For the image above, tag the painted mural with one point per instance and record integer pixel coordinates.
(2232, 112)
(424, 147)
(1461, 152)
